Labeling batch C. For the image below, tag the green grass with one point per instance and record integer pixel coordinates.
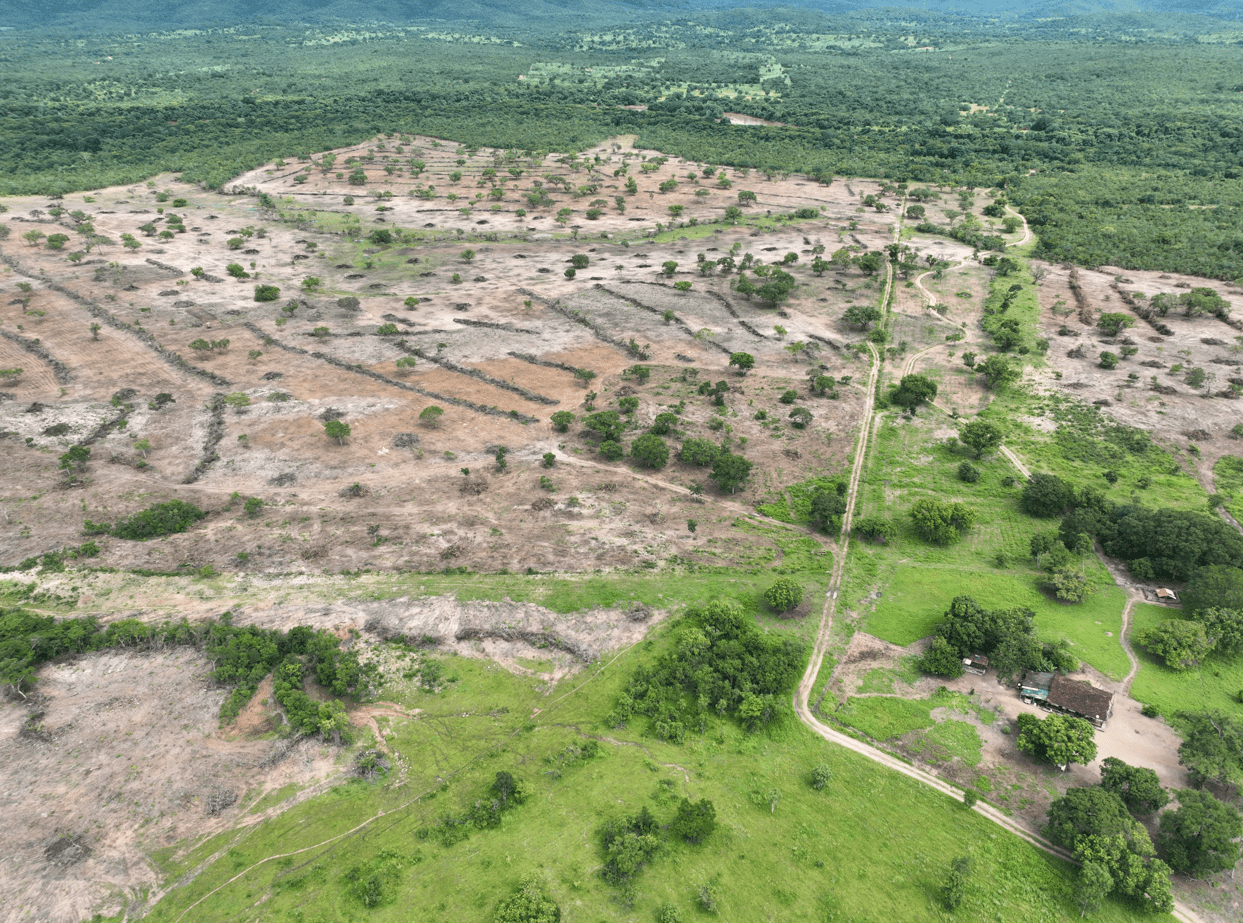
(1216, 684)
(1228, 479)
(883, 717)
(916, 598)
(1079, 453)
(274, 797)
(873, 845)
(948, 740)
(916, 580)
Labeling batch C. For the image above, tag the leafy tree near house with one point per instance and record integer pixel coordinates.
(1212, 747)
(1200, 836)
(1057, 739)
(1139, 788)
(1180, 643)
(1096, 826)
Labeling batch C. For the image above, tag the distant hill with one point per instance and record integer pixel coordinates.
(92, 15)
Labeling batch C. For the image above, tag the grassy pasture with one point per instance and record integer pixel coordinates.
(1216, 685)
(916, 580)
(872, 846)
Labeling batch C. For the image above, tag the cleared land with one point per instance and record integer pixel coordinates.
(534, 586)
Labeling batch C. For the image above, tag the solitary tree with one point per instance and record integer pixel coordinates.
(744, 362)
(980, 435)
(336, 429)
(784, 595)
(430, 416)
(562, 420)
(730, 471)
(912, 391)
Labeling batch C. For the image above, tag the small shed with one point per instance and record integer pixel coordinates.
(1166, 593)
(976, 664)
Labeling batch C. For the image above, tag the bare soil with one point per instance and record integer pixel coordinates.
(119, 764)
(412, 496)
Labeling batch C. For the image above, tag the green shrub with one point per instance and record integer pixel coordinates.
(611, 451)
(167, 518)
(784, 595)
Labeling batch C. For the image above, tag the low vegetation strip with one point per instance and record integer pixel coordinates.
(215, 432)
(456, 401)
(60, 371)
(508, 328)
(476, 374)
(111, 320)
(632, 348)
(733, 312)
(270, 340)
(536, 360)
(667, 316)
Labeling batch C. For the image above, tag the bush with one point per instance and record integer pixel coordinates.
(167, 518)
(267, 292)
(789, 396)
(876, 529)
(784, 595)
(611, 451)
(820, 776)
(941, 523)
(968, 473)
(650, 451)
(701, 452)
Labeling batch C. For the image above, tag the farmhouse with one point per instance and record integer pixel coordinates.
(1166, 593)
(1072, 696)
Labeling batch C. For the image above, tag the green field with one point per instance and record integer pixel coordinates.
(1217, 684)
(873, 845)
(905, 587)
(916, 598)
(1228, 479)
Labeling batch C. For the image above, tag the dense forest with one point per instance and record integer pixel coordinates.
(1123, 150)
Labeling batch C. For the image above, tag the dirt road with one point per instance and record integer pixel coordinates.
(803, 693)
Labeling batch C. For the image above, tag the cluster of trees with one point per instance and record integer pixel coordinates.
(242, 657)
(1144, 168)
(729, 469)
(1099, 825)
(1160, 543)
(1006, 636)
(167, 518)
(630, 842)
(721, 664)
